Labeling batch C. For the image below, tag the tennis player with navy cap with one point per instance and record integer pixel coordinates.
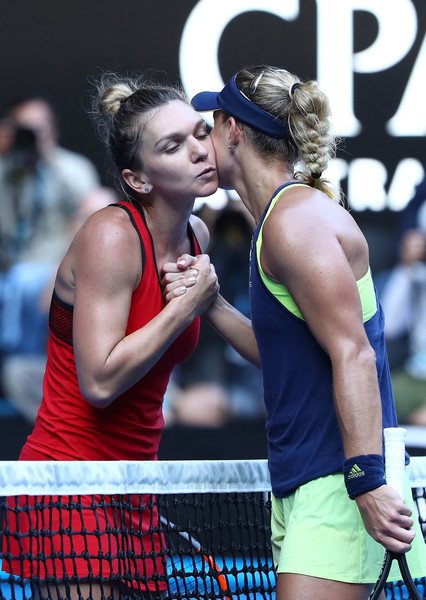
(319, 329)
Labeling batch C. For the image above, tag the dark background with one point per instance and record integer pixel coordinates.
(54, 48)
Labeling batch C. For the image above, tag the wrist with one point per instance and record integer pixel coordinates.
(214, 309)
(363, 474)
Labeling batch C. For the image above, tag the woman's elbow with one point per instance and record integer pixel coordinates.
(367, 356)
(97, 395)
(361, 356)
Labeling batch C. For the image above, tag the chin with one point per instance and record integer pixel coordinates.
(208, 190)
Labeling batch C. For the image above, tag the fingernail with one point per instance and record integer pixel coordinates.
(191, 280)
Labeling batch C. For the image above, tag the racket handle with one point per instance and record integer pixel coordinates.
(395, 458)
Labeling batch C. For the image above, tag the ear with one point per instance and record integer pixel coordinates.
(136, 181)
(235, 132)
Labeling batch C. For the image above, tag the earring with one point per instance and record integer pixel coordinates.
(146, 189)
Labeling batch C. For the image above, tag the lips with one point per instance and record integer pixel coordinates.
(208, 172)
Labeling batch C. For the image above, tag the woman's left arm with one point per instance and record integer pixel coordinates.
(304, 253)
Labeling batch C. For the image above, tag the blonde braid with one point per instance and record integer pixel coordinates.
(309, 122)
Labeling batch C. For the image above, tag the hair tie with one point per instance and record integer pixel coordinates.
(123, 101)
(316, 175)
(293, 89)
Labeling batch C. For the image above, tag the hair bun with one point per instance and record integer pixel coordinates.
(114, 96)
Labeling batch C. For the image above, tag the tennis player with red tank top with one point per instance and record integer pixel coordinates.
(113, 340)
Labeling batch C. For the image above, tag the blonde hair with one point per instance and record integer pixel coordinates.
(305, 109)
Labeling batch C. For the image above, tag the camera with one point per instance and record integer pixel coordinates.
(23, 154)
(24, 139)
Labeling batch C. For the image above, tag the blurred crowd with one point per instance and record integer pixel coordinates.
(403, 295)
(46, 193)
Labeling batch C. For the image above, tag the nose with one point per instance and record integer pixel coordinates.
(199, 150)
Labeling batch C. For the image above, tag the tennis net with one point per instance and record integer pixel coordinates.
(142, 530)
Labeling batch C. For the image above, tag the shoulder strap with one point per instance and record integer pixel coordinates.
(195, 244)
(130, 212)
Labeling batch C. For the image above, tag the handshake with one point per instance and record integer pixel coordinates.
(192, 278)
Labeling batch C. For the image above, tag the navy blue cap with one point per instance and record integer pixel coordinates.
(232, 101)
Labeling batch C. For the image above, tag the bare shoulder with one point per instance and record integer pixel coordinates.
(106, 247)
(201, 232)
(108, 238)
(306, 215)
(110, 226)
(306, 225)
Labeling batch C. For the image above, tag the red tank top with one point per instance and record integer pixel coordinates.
(67, 427)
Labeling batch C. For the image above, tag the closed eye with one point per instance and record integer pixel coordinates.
(172, 149)
(201, 135)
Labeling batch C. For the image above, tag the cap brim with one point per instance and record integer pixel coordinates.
(205, 101)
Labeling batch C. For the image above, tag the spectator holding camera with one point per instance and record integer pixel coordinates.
(404, 302)
(41, 186)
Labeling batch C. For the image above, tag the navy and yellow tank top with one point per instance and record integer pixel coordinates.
(304, 440)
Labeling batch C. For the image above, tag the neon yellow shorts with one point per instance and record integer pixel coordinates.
(318, 531)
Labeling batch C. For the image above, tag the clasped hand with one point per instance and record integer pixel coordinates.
(191, 274)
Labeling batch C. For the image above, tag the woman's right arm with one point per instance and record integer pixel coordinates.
(106, 266)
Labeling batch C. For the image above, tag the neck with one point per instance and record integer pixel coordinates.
(168, 225)
(258, 181)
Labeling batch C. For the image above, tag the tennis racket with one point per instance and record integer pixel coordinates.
(191, 573)
(395, 477)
